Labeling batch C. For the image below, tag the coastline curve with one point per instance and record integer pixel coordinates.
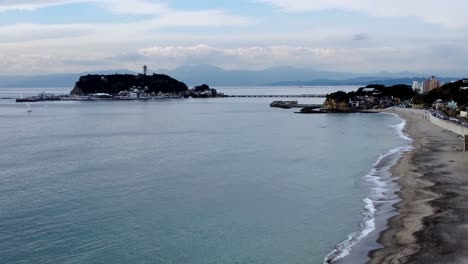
(377, 195)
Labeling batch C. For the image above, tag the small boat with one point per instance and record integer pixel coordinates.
(29, 109)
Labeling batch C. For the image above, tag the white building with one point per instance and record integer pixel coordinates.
(417, 86)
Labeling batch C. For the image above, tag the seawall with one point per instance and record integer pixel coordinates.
(450, 126)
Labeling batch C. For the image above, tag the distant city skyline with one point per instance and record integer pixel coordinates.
(58, 36)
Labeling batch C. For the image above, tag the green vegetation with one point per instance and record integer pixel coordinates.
(113, 84)
(401, 91)
(448, 92)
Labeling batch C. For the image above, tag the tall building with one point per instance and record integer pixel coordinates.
(431, 83)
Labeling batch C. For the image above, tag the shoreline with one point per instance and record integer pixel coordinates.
(429, 226)
(378, 204)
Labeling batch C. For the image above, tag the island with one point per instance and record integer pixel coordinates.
(141, 86)
(117, 84)
(93, 87)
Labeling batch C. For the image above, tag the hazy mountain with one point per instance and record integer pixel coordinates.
(359, 81)
(211, 75)
(215, 76)
(194, 75)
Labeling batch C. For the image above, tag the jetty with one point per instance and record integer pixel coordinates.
(281, 95)
(294, 104)
(40, 98)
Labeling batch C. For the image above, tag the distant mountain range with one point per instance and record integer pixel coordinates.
(215, 76)
(359, 81)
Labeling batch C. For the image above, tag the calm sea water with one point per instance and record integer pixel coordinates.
(195, 181)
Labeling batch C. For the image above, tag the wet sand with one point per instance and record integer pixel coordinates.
(432, 224)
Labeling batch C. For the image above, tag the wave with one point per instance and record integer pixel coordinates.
(367, 225)
(400, 127)
(377, 192)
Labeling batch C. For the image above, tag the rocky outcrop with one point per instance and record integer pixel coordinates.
(332, 105)
(76, 91)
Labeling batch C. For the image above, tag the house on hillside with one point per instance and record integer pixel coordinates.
(354, 102)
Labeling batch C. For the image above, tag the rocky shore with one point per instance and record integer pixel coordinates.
(431, 226)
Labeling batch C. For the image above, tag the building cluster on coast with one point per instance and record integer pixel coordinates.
(427, 85)
(448, 101)
(131, 94)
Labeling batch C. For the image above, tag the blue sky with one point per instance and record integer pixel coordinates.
(364, 36)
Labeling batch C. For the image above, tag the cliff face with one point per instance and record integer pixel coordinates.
(331, 105)
(76, 91)
(113, 84)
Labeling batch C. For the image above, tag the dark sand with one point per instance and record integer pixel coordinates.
(432, 224)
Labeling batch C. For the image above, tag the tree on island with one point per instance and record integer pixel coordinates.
(203, 91)
(201, 88)
(402, 91)
(113, 84)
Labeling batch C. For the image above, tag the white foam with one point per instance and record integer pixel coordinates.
(400, 128)
(367, 225)
(377, 192)
(391, 152)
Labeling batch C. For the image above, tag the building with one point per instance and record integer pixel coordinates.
(354, 102)
(452, 105)
(417, 86)
(439, 104)
(431, 84)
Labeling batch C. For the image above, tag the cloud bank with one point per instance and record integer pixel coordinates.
(371, 36)
(449, 14)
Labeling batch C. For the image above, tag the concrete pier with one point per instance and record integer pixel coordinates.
(282, 95)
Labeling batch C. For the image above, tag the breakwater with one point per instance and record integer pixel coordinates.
(281, 95)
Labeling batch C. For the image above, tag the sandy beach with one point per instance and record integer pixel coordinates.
(432, 224)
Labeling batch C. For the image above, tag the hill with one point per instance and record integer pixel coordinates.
(115, 83)
(215, 76)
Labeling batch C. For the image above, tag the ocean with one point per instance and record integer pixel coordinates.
(193, 181)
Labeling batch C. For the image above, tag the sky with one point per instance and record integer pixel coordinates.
(360, 36)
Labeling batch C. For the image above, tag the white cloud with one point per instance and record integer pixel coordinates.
(7, 5)
(450, 14)
(166, 19)
(204, 18)
(134, 7)
(29, 32)
(252, 57)
(252, 44)
(130, 7)
(393, 58)
(125, 7)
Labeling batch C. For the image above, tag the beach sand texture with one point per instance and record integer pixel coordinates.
(432, 224)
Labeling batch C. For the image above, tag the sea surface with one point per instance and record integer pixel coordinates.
(193, 181)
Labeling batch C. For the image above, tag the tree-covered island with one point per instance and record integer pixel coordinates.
(141, 86)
